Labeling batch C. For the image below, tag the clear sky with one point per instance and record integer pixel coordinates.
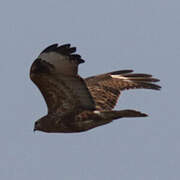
(143, 35)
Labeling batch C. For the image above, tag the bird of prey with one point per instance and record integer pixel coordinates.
(76, 104)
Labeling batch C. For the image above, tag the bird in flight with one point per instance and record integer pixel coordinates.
(76, 104)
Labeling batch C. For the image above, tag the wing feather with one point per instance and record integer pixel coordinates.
(55, 72)
(106, 88)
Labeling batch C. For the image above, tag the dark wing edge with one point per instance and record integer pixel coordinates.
(64, 49)
(106, 88)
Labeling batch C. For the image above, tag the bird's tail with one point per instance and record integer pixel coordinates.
(128, 113)
(92, 119)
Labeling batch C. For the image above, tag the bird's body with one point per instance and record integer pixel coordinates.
(76, 104)
(71, 122)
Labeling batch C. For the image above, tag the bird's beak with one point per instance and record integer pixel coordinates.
(34, 129)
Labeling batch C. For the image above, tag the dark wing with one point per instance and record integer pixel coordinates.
(55, 74)
(105, 88)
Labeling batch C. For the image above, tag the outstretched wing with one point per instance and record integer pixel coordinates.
(106, 88)
(55, 72)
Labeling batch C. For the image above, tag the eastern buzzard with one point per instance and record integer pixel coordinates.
(76, 104)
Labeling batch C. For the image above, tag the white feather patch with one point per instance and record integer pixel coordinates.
(121, 77)
(96, 112)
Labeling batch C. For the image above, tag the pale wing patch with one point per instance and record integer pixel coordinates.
(52, 57)
(120, 77)
(61, 63)
(96, 112)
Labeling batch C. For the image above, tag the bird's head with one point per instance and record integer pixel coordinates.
(46, 124)
(42, 124)
(37, 125)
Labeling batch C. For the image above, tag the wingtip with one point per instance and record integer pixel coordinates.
(50, 48)
(121, 72)
(64, 49)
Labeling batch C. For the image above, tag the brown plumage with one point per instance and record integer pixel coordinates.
(76, 104)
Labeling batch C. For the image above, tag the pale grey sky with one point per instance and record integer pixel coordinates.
(110, 35)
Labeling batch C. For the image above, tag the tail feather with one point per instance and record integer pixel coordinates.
(128, 113)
